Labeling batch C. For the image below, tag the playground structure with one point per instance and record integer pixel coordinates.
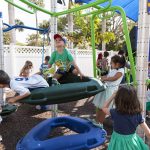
(99, 10)
(143, 37)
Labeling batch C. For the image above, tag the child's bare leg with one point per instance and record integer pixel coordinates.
(100, 116)
(75, 72)
(57, 76)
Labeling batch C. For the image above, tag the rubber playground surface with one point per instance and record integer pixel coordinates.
(19, 123)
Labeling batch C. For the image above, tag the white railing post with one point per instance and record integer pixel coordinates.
(142, 54)
(12, 60)
(53, 32)
(1, 54)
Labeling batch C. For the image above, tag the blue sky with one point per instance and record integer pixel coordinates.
(28, 19)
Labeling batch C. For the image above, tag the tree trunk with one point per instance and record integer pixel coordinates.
(103, 31)
(70, 24)
(1, 54)
(11, 14)
(36, 18)
(142, 55)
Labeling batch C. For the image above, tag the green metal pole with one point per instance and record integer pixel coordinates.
(16, 5)
(128, 43)
(127, 39)
(93, 45)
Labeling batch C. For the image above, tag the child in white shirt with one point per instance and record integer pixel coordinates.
(21, 85)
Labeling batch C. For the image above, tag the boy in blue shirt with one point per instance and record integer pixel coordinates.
(44, 65)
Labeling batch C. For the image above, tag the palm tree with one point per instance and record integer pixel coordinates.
(45, 25)
(70, 22)
(69, 18)
(19, 22)
(41, 4)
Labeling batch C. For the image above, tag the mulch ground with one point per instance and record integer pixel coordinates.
(15, 126)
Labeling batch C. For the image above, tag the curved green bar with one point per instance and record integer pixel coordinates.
(93, 45)
(36, 7)
(66, 11)
(16, 5)
(127, 39)
(107, 16)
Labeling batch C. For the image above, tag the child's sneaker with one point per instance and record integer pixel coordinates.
(1, 138)
(97, 124)
(55, 82)
(44, 107)
(1, 119)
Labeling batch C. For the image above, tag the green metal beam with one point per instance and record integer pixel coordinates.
(82, 7)
(93, 45)
(92, 13)
(16, 5)
(97, 7)
(36, 7)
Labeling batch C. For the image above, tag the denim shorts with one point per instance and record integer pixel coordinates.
(65, 72)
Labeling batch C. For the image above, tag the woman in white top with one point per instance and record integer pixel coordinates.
(112, 81)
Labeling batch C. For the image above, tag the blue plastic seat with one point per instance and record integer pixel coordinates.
(89, 136)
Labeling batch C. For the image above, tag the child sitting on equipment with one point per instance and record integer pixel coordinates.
(27, 69)
(112, 81)
(99, 61)
(63, 59)
(44, 66)
(21, 85)
(126, 116)
(45, 71)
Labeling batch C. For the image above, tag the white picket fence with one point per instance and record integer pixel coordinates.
(15, 57)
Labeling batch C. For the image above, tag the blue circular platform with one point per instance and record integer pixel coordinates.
(88, 136)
